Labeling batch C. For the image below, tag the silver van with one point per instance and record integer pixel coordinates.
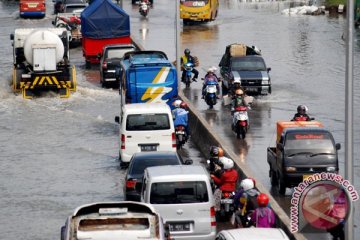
(182, 195)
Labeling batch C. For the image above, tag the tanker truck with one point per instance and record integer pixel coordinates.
(41, 61)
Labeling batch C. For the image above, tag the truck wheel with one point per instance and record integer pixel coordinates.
(282, 187)
(87, 64)
(273, 178)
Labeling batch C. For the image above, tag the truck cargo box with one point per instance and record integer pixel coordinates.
(281, 125)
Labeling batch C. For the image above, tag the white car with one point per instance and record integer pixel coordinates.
(252, 234)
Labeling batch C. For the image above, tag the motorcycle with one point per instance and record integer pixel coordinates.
(226, 206)
(144, 9)
(211, 93)
(240, 124)
(181, 137)
(73, 25)
(188, 67)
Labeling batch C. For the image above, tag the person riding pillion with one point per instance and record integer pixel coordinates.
(180, 115)
(188, 58)
(210, 77)
(215, 165)
(226, 182)
(263, 216)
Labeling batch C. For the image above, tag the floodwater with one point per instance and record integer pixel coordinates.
(56, 154)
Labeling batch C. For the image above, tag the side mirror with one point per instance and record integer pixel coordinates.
(312, 119)
(118, 73)
(188, 162)
(11, 36)
(117, 119)
(53, 22)
(338, 146)
(268, 69)
(62, 233)
(280, 146)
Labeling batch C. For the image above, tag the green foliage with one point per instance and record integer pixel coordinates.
(334, 3)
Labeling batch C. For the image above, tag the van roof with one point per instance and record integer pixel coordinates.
(177, 172)
(255, 233)
(146, 108)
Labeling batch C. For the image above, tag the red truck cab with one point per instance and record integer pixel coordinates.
(32, 8)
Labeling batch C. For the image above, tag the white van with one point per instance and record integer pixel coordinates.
(182, 195)
(252, 234)
(145, 127)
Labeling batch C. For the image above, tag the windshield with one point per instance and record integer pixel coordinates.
(248, 64)
(117, 52)
(194, 3)
(309, 142)
(147, 122)
(178, 192)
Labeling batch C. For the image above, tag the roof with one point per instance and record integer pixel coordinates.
(104, 19)
(157, 154)
(138, 108)
(178, 172)
(255, 233)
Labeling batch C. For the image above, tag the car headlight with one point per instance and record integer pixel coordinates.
(330, 169)
(291, 169)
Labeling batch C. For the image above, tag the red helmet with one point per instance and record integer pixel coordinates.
(183, 105)
(262, 200)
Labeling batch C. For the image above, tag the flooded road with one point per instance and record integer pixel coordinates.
(56, 154)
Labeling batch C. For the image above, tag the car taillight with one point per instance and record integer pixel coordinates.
(173, 138)
(104, 65)
(212, 215)
(122, 141)
(131, 183)
(226, 194)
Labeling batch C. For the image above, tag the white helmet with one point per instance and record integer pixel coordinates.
(177, 103)
(210, 70)
(247, 184)
(227, 162)
(214, 68)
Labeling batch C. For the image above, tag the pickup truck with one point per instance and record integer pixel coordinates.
(302, 149)
(247, 65)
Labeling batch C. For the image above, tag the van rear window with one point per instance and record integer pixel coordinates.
(147, 122)
(178, 192)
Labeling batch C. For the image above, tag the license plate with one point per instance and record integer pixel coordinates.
(230, 201)
(179, 132)
(148, 148)
(179, 227)
(306, 176)
(251, 89)
(32, 5)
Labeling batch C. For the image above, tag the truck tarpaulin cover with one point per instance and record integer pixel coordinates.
(104, 19)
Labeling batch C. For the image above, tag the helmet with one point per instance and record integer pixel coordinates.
(214, 151)
(253, 179)
(227, 162)
(221, 152)
(187, 51)
(239, 92)
(247, 184)
(262, 200)
(214, 68)
(210, 70)
(301, 109)
(237, 81)
(183, 105)
(177, 103)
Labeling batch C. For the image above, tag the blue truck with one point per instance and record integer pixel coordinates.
(147, 76)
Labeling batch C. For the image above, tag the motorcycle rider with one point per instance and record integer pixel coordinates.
(180, 116)
(185, 59)
(210, 77)
(245, 202)
(215, 166)
(235, 86)
(301, 113)
(226, 182)
(238, 100)
(263, 216)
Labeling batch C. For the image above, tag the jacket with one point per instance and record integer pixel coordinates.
(227, 181)
(263, 217)
(298, 115)
(180, 117)
(246, 199)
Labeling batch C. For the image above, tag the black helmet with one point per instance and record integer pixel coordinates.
(214, 151)
(301, 109)
(187, 51)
